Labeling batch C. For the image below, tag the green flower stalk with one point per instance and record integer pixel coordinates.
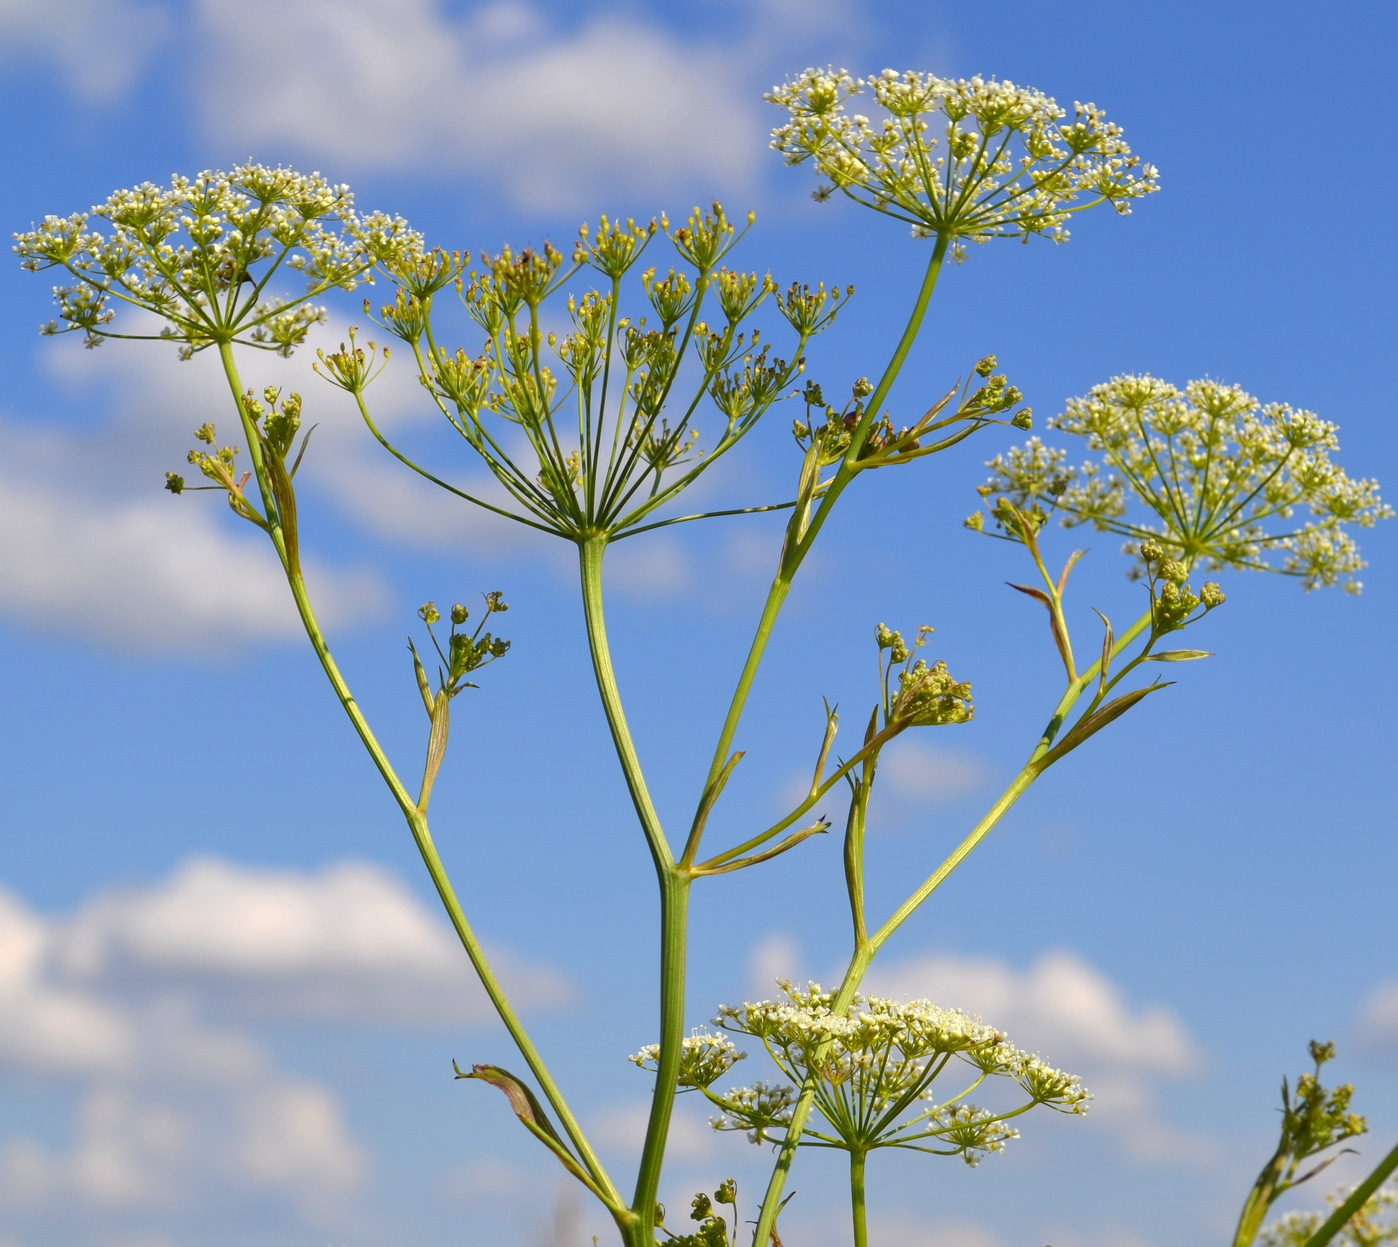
(1314, 1121)
(1373, 1224)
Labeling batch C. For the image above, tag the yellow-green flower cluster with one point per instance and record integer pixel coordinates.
(873, 1068)
(199, 254)
(958, 158)
(1224, 480)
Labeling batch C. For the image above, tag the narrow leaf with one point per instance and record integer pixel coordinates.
(436, 746)
(305, 441)
(1037, 594)
(832, 725)
(522, 1100)
(1107, 639)
(1067, 570)
(790, 842)
(1179, 655)
(1095, 722)
(422, 685)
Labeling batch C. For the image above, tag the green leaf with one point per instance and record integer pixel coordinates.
(1095, 722)
(522, 1100)
(1179, 655)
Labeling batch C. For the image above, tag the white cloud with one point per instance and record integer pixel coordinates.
(551, 115)
(94, 543)
(294, 1137)
(143, 1004)
(776, 957)
(345, 943)
(1061, 1006)
(148, 574)
(1080, 1020)
(1378, 1018)
(99, 46)
(44, 1026)
(914, 771)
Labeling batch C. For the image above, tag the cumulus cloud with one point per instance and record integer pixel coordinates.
(503, 95)
(93, 541)
(1060, 1005)
(145, 1004)
(347, 943)
(1080, 1020)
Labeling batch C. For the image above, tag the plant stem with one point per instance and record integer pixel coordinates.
(856, 1197)
(1342, 1215)
(796, 552)
(865, 950)
(674, 882)
(417, 821)
(848, 469)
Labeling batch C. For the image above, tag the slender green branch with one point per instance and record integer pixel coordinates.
(674, 898)
(417, 821)
(1345, 1212)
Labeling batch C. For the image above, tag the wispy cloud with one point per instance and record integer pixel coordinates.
(99, 47)
(505, 95)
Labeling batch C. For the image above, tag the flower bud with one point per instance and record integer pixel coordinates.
(459, 614)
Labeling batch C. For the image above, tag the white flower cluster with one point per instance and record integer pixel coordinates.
(1221, 473)
(704, 1058)
(873, 1068)
(199, 254)
(1004, 161)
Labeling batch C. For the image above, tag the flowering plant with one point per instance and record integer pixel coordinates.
(593, 434)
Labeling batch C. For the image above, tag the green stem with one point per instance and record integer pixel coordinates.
(849, 467)
(856, 1198)
(796, 553)
(776, 598)
(1342, 1215)
(590, 552)
(417, 821)
(674, 884)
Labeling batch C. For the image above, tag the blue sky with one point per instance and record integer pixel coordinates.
(227, 1005)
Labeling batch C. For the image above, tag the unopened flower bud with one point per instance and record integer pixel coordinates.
(428, 613)
(862, 388)
(174, 482)
(1150, 551)
(1211, 595)
(986, 365)
(459, 614)
(1024, 418)
(1173, 569)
